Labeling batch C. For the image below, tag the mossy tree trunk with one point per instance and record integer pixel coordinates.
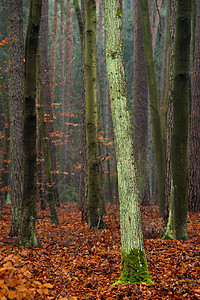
(94, 170)
(133, 260)
(27, 235)
(154, 107)
(47, 156)
(16, 87)
(177, 224)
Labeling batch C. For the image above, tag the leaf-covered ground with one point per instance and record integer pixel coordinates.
(78, 263)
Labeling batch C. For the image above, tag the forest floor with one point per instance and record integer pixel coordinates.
(78, 263)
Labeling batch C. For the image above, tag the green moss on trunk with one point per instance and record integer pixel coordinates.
(134, 268)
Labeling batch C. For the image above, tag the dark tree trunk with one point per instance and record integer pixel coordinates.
(27, 235)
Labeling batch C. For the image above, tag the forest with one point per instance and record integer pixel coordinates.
(99, 149)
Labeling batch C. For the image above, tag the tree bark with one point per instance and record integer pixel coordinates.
(194, 145)
(154, 107)
(16, 87)
(177, 224)
(27, 235)
(140, 105)
(133, 260)
(94, 174)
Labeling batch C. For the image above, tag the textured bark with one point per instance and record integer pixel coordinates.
(53, 49)
(48, 110)
(109, 194)
(94, 174)
(27, 234)
(6, 146)
(177, 224)
(194, 146)
(140, 105)
(134, 266)
(16, 87)
(80, 14)
(167, 110)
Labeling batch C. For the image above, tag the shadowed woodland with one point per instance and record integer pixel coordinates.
(99, 149)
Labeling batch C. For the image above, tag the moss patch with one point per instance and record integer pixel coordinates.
(134, 268)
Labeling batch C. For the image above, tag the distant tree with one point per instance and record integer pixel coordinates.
(47, 156)
(133, 260)
(27, 234)
(45, 76)
(16, 87)
(194, 145)
(93, 158)
(177, 224)
(53, 48)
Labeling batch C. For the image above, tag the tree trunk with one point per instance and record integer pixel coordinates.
(47, 156)
(48, 109)
(6, 146)
(167, 105)
(140, 104)
(80, 14)
(16, 87)
(134, 265)
(27, 234)
(94, 174)
(194, 146)
(53, 49)
(177, 224)
(154, 107)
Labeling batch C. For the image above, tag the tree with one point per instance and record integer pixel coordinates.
(94, 175)
(140, 104)
(6, 145)
(177, 223)
(80, 14)
(133, 260)
(29, 208)
(154, 107)
(16, 87)
(194, 157)
(47, 156)
(48, 110)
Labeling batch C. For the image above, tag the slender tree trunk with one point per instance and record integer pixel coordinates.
(16, 87)
(27, 234)
(94, 174)
(154, 107)
(47, 156)
(177, 224)
(48, 109)
(167, 105)
(53, 49)
(140, 104)
(134, 265)
(194, 146)
(80, 14)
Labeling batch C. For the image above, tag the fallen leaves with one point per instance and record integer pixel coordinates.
(76, 263)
